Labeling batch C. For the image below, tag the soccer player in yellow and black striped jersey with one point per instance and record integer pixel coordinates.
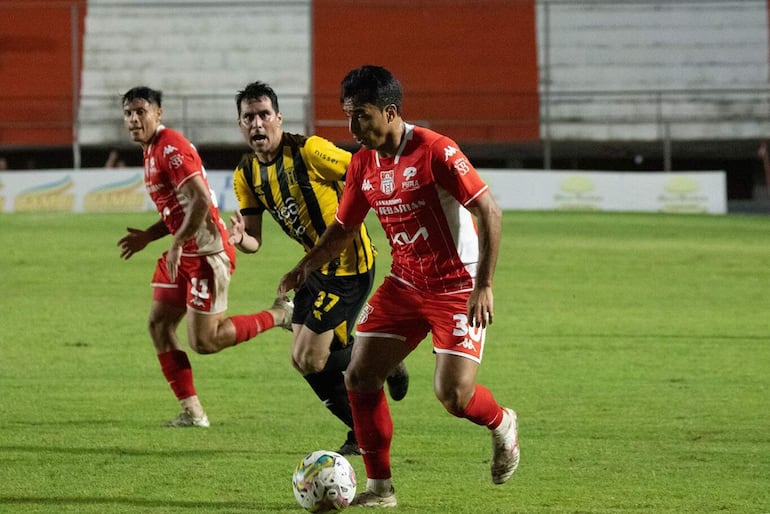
(298, 181)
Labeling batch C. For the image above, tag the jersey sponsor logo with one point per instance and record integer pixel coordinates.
(404, 238)
(449, 151)
(366, 186)
(325, 157)
(387, 182)
(168, 149)
(409, 184)
(399, 207)
(288, 216)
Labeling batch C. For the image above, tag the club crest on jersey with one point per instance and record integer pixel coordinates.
(176, 161)
(387, 182)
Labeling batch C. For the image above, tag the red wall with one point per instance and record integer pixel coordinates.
(36, 82)
(468, 68)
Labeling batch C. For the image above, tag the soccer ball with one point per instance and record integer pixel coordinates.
(324, 481)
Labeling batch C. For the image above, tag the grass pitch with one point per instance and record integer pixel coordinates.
(634, 347)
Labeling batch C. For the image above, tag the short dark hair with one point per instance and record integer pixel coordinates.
(153, 96)
(254, 91)
(372, 85)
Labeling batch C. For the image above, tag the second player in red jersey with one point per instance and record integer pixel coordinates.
(192, 277)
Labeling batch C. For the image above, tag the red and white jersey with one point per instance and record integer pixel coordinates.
(169, 162)
(420, 196)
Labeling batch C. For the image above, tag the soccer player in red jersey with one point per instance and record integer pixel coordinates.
(192, 277)
(426, 195)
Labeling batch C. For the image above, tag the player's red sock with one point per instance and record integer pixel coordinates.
(249, 325)
(178, 372)
(374, 431)
(483, 409)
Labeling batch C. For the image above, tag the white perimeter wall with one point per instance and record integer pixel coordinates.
(627, 55)
(204, 51)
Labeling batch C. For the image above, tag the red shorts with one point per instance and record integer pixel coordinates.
(397, 311)
(201, 282)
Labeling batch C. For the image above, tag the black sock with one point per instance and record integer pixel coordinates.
(329, 385)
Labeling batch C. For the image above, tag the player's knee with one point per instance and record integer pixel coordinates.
(352, 380)
(160, 333)
(308, 363)
(203, 345)
(295, 365)
(453, 399)
(360, 379)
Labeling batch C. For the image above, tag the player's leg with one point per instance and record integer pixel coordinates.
(329, 386)
(167, 310)
(325, 309)
(389, 328)
(373, 359)
(209, 329)
(458, 348)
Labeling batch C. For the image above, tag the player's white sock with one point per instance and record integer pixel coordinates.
(380, 486)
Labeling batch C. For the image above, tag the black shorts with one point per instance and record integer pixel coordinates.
(332, 303)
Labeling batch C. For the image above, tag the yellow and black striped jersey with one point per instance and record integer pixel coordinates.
(301, 189)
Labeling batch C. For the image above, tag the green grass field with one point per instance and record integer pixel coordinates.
(634, 347)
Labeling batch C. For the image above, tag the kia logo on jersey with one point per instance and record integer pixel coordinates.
(403, 238)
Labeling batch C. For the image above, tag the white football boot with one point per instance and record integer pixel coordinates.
(505, 448)
(184, 420)
(283, 317)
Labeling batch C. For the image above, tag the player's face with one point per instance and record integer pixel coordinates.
(142, 119)
(261, 127)
(367, 123)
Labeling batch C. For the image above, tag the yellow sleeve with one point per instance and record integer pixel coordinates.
(247, 201)
(326, 159)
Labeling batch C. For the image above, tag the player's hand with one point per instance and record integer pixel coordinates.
(481, 307)
(291, 281)
(133, 242)
(237, 228)
(173, 257)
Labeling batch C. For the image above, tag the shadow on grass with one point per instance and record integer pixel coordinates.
(192, 452)
(685, 337)
(145, 503)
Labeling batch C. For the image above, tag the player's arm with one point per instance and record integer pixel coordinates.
(489, 222)
(334, 239)
(326, 158)
(246, 231)
(199, 201)
(137, 239)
